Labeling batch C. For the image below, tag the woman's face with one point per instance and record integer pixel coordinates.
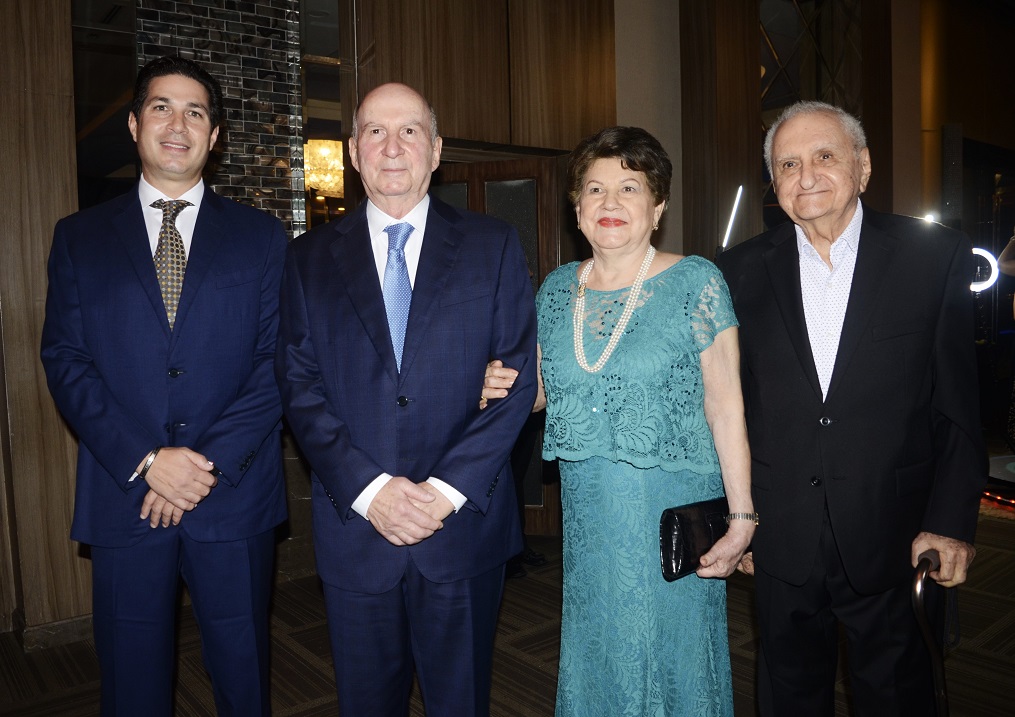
(616, 209)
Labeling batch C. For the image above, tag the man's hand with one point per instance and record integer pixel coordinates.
(497, 381)
(181, 476)
(746, 565)
(159, 510)
(726, 554)
(440, 508)
(394, 513)
(956, 556)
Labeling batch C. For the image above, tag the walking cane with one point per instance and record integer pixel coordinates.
(928, 561)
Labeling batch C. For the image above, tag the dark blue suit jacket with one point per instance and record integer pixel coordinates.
(125, 383)
(356, 417)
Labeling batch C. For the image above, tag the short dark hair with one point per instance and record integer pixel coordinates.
(634, 147)
(173, 65)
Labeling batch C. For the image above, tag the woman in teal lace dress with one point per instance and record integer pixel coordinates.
(640, 365)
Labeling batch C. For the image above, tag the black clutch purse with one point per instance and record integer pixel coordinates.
(687, 532)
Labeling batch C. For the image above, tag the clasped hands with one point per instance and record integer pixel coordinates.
(178, 479)
(406, 513)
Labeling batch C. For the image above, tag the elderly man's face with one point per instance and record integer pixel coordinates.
(393, 151)
(818, 175)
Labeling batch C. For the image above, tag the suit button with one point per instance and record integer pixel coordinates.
(825, 421)
(175, 373)
(403, 401)
(815, 481)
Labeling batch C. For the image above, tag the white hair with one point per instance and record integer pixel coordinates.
(850, 125)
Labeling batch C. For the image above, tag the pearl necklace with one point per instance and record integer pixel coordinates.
(618, 330)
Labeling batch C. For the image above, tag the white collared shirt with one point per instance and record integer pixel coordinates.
(186, 220)
(825, 293)
(377, 222)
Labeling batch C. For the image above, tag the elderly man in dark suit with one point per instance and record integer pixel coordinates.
(388, 318)
(859, 378)
(160, 330)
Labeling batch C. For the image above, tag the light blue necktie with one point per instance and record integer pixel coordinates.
(397, 289)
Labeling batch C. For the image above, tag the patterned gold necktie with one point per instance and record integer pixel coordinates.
(170, 256)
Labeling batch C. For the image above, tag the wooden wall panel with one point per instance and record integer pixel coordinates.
(39, 187)
(699, 130)
(721, 121)
(453, 51)
(563, 71)
(738, 119)
(876, 51)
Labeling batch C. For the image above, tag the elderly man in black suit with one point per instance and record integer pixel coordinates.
(859, 377)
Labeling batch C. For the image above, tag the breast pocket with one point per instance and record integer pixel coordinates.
(897, 329)
(461, 295)
(238, 277)
(900, 351)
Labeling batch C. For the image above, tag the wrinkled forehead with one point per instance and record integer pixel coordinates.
(810, 131)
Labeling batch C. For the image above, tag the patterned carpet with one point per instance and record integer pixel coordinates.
(63, 681)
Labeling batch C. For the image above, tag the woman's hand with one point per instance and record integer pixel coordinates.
(499, 379)
(725, 555)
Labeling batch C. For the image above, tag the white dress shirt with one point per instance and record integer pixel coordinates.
(825, 293)
(377, 222)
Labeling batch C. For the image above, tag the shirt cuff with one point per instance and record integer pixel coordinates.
(364, 499)
(456, 498)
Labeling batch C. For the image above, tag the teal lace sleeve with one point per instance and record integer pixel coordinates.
(646, 406)
(714, 310)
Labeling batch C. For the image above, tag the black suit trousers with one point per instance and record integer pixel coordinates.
(888, 663)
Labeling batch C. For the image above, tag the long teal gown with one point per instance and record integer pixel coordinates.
(632, 440)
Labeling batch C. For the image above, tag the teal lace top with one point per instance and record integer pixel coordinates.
(646, 406)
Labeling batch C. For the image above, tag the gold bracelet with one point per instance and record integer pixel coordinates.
(743, 516)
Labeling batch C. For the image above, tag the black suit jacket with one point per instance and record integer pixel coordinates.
(896, 447)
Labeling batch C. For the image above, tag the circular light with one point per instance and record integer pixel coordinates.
(929, 217)
(978, 286)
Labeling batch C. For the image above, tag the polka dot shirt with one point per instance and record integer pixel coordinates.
(826, 293)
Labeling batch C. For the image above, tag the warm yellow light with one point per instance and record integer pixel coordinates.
(322, 167)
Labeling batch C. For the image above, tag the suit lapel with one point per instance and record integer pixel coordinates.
(203, 246)
(133, 235)
(441, 242)
(354, 265)
(783, 264)
(872, 263)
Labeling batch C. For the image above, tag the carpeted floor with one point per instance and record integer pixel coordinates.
(64, 680)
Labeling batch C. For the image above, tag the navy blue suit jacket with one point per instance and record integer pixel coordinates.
(125, 383)
(896, 447)
(355, 416)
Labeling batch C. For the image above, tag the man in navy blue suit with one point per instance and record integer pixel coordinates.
(388, 318)
(161, 320)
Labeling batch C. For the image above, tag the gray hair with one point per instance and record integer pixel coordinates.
(433, 122)
(850, 125)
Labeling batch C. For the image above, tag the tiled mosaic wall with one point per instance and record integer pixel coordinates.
(253, 48)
